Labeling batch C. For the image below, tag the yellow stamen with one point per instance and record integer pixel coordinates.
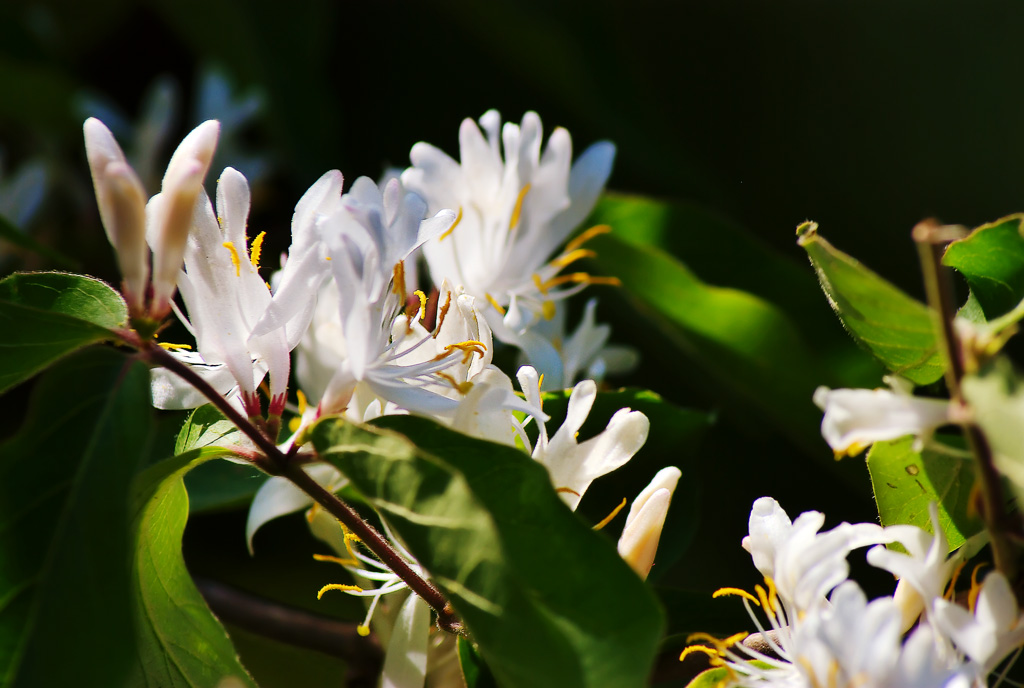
(338, 586)
(572, 256)
(735, 638)
(423, 303)
(352, 537)
(234, 257)
(303, 403)
(539, 283)
(335, 560)
(399, 279)
(586, 236)
(566, 489)
(518, 209)
(327, 257)
(468, 348)
(951, 590)
(497, 306)
(256, 249)
(363, 630)
(773, 598)
(458, 219)
(581, 278)
(172, 347)
(972, 596)
(460, 387)
(710, 652)
(547, 309)
(763, 596)
(540, 383)
(311, 514)
(608, 519)
(294, 424)
(442, 313)
(722, 592)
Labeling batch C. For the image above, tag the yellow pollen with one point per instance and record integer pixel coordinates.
(763, 596)
(460, 387)
(518, 209)
(608, 519)
(172, 347)
(548, 310)
(256, 249)
(458, 219)
(335, 560)
(363, 630)
(710, 652)
(773, 598)
(234, 257)
(423, 303)
(399, 281)
(722, 592)
(352, 537)
(327, 257)
(735, 638)
(566, 489)
(468, 348)
(572, 256)
(586, 236)
(338, 586)
(497, 306)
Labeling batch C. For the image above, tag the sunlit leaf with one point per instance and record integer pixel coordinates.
(65, 613)
(991, 258)
(486, 522)
(893, 326)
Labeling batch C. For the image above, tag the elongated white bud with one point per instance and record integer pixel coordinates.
(122, 204)
(170, 218)
(638, 543)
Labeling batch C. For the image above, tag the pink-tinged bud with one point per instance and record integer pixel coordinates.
(638, 543)
(122, 204)
(170, 217)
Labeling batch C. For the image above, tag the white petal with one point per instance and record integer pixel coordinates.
(279, 497)
(405, 662)
(639, 541)
(665, 479)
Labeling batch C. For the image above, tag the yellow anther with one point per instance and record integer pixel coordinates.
(335, 560)
(557, 343)
(294, 424)
(460, 387)
(352, 537)
(547, 309)
(399, 279)
(256, 249)
(442, 313)
(327, 257)
(338, 586)
(572, 256)
(468, 348)
(851, 450)
(458, 219)
(972, 596)
(423, 303)
(773, 597)
(312, 512)
(518, 209)
(303, 402)
(540, 384)
(234, 257)
(710, 652)
(586, 236)
(763, 596)
(172, 347)
(722, 592)
(363, 630)
(951, 590)
(497, 306)
(608, 519)
(580, 278)
(568, 490)
(539, 284)
(735, 638)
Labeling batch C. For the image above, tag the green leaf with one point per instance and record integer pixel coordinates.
(44, 316)
(894, 327)
(9, 232)
(712, 678)
(997, 397)
(206, 427)
(905, 482)
(674, 440)
(474, 672)
(65, 615)
(180, 642)
(991, 258)
(547, 599)
(749, 347)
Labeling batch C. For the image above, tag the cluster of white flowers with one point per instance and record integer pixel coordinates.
(817, 628)
(494, 231)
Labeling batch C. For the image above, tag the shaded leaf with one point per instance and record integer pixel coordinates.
(894, 327)
(9, 232)
(65, 615)
(991, 258)
(474, 672)
(180, 642)
(548, 600)
(905, 482)
(44, 316)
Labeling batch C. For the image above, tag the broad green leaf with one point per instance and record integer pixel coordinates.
(712, 678)
(991, 259)
(474, 672)
(65, 614)
(894, 327)
(547, 599)
(206, 427)
(674, 440)
(905, 482)
(996, 396)
(44, 316)
(8, 232)
(180, 642)
(752, 351)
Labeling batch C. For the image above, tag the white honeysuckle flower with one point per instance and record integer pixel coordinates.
(225, 297)
(803, 563)
(585, 352)
(122, 202)
(405, 660)
(857, 418)
(279, 496)
(992, 631)
(638, 543)
(574, 466)
(514, 211)
(169, 214)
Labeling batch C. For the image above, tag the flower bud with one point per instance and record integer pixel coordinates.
(638, 543)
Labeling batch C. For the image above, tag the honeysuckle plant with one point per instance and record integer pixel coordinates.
(406, 378)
